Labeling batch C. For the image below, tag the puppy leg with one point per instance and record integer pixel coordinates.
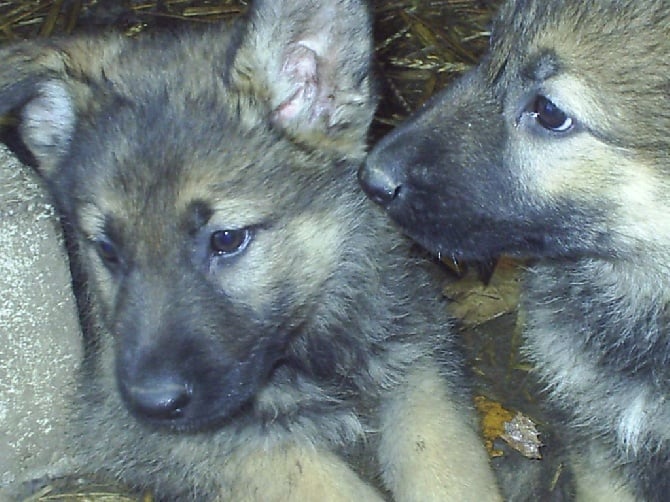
(293, 473)
(428, 449)
(596, 481)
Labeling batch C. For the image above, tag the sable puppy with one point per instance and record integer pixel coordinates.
(556, 148)
(257, 330)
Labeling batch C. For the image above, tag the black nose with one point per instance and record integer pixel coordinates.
(159, 398)
(378, 184)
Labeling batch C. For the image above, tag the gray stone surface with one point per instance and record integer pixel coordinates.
(40, 340)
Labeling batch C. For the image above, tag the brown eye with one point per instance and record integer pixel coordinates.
(108, 253)
(229, 242)
(550, 116)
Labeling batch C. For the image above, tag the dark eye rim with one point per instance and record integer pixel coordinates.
(549, 116)
(238, 245)
(108, 252)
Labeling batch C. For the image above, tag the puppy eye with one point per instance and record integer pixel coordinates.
(229, 242)
(550, 116)
(108, 253)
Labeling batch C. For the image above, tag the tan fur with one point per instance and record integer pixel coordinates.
(595, 481)
(554, 149)
(257, 331)
(290, 472)
(420, 424)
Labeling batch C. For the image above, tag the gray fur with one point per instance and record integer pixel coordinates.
(490, 168)
(256, 331)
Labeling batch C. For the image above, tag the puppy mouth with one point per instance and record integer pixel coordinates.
(198, 425)
(186, 411)
(195, 398)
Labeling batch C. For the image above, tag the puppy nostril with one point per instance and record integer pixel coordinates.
(160, 400)
(378, 185)
(381, 195)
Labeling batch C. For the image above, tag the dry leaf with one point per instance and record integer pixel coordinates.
(517, 430)
(522, 435)
(475, 303)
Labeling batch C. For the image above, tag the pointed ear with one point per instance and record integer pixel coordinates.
(310, 62)
(47, 85)
(47, 122)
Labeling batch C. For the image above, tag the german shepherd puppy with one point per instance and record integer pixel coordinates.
(556, 148)
(259, 333)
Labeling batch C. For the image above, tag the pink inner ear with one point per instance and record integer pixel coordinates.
(300, 74)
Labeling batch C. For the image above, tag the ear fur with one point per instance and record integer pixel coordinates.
(48, 121)
(310, 62)
(47, 83)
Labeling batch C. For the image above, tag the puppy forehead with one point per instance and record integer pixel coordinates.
(184, 209)
(133, 177)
